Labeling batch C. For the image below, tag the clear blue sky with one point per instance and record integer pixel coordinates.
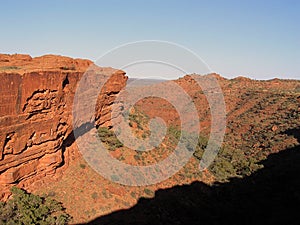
(258, 39)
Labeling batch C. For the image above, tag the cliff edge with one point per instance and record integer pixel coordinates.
(36, 99)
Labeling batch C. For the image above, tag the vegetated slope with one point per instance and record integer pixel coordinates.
(26, 209)
(262, 118)
(268, 196)
(258, 115)
(259, 160)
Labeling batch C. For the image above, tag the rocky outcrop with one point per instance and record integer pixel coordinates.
(36, 99)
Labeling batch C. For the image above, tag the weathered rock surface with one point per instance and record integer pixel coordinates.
(36, 100)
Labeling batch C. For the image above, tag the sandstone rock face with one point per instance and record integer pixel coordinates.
(36, 100)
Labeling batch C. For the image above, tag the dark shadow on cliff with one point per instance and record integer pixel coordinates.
(84, 128)
(79, 131)
(269, 196)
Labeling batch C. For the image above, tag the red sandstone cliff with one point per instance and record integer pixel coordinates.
(36, 99)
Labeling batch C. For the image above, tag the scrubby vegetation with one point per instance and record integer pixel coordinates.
(9, 68)
(228, 163)
(139, 121)
(109, 138)
(72, 67)
(241, 152)
(27, 209)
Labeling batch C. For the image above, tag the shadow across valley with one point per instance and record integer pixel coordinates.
(269, 196)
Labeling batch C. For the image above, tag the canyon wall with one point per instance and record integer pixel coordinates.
(36, 100)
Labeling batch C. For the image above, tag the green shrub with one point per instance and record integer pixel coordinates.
(148, 191)
(174, 133)
(133, 194)
(95, 195)
(109, 138)
(82, 166)
(26, 209)
(222, 169)
(139, 118)
(72, 67)
(9, 68)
